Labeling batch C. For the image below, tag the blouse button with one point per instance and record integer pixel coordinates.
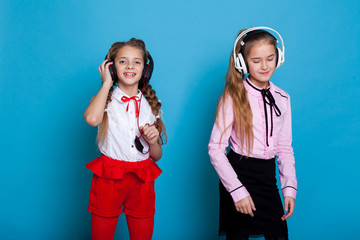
(132, 129)
(131, 112)
(132, 146)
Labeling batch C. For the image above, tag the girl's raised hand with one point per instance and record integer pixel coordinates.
(245, 206)
(289, 206)
(105, 72)
(150, 134)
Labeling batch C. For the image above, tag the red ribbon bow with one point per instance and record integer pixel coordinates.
(136, 99)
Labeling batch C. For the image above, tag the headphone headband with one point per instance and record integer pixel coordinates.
(241, 35)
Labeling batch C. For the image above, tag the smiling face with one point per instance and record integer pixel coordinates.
(261, 61)
(129, 64)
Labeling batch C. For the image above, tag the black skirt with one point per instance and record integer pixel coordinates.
(258, 176)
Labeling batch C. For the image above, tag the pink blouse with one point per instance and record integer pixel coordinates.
(270, 140)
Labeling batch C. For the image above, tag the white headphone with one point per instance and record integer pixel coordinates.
(240, 63)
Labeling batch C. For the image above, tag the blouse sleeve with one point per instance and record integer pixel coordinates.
(217, 151)
(285, 156)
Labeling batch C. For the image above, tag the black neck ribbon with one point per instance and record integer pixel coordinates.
(270, 100)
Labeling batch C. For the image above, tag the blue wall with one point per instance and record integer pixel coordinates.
(50, 52)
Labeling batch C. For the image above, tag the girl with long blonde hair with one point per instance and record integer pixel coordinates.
(255, 116)
(127, 112)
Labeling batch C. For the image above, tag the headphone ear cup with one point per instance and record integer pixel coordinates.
(242, 64)
(279, 57)
(144, 80)
(237, 64)
(147, 72)
(113, 74)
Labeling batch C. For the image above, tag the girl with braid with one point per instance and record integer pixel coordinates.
(130, 134)
(254, 115)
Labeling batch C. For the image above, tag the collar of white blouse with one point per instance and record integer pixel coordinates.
(118, 94)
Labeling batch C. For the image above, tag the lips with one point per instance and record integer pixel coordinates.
(264, 73)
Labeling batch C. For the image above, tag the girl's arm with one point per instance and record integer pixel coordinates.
(95, 111)
(217, 151)
(156, 151)
(151, 135)
(285, 156)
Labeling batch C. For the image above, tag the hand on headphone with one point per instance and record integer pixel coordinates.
(150, 133)
(105, 72)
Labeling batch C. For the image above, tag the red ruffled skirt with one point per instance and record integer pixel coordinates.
(119, 186)
(106, 167)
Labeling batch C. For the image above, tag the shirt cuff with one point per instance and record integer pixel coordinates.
(239, 194)
(289, 192)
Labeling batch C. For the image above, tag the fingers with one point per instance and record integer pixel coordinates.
(250, 207)
(286, 207)
(245, 206)
(289, 208)
(246, 210)
(103, 65)
(104, 71)
(249, 211)
(252, 204)
(150, 133)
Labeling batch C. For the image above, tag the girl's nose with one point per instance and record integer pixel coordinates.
(130, 66)
(263, 65)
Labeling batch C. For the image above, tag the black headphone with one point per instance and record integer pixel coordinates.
(146, 74)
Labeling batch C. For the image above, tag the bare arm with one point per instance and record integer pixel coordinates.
(151, 135)
(156, 151)
(95, 111)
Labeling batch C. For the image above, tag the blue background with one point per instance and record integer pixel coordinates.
(50, 52)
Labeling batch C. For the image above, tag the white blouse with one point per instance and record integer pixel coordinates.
(119, 143)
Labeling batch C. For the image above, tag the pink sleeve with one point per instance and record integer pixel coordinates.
(217, 151)
(285, 156)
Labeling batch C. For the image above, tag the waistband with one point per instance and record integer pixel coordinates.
(236, 156)
(106, 167)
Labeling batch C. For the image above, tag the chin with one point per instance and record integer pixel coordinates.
(130, 81)
(264, 78)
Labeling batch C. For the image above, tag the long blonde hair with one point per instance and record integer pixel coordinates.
(147, 91)
(234, 87)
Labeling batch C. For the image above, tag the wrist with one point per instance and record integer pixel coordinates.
(153, 144)
(107, 85)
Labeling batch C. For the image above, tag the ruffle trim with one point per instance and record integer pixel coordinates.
(106, 167)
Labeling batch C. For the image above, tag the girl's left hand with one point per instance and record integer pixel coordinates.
(150, 134)
(289, 205)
